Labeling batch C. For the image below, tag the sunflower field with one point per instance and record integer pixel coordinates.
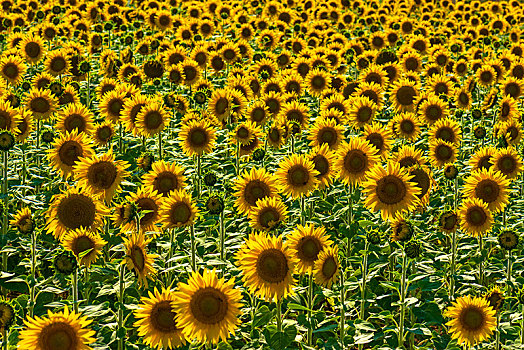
(254, 174)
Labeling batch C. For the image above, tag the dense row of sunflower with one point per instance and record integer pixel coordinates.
(231, 174)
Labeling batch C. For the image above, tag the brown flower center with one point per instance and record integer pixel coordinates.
(272, 266)
(391, 189)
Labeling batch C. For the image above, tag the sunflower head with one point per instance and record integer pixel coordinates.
(215, 204)
(472, 320)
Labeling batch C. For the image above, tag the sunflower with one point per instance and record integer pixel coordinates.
(147, 204)
(323, 160)
(406, 125)
(75, 116)
(317, 81)
(207, 308)
(486, 75)
(23, 221)
(137, 259)
(103, 133)
(9, 118)
(379, 137)
(326, 268)
(422, 177)
(32, 47)
(326, 131)
(112, 104)
(447, 130)
(101, 174)
(152, 118)
(60, 329)
(294, 112)
(268, 213)
(448, 221)
(442, 153)
(251, 186)
(508, 109)
(490, 186)
(296, 176)
(390, 190)
(197, 137)
(80, 241)
(267, 266)
(403, 94)
(475, 217)
(156, 320)
(508, 162)
(495, 298)
(354, 159)
(41, 103)
(57, 63)
(74, 209)
(511, 131)
(7, 315)
(472, 320)
(305, 244)
(165, 178)
(362, 111)
(178, 210)
(258, 112)
(433, 109)
(25, 123)
(12, 69)
(463, 98)
(132, 107)
(220, 103)
(512, 87)
(244, 133)
(67, 150)
(482, 158)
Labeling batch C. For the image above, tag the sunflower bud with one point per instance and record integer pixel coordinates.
(215, 204)
(210, 178)
(48, 136)
(413, 249)
(7, 140)
(374, 237)
(479, 132)
(508, 239)
(450, 172)
(495, 298)
(259, 154)
(65, 263)
(7, 315)
(145, 161)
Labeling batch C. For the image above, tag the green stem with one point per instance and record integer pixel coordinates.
(402, 300)
(522, 326)
(497, 336)
(222, 240)
(4, 340)
(310, 293)
(121, 135)
(364, 282)
(303, 210)
(160, 145)
(199, 174)
(170, 255)
(33, 273)
(237, 159)
(6, 211)
(508, 272)
(342, 309)
(453, 265)
(481, 263)
(193, 247)
(279, 315)
(121, 306)
(75, 290)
